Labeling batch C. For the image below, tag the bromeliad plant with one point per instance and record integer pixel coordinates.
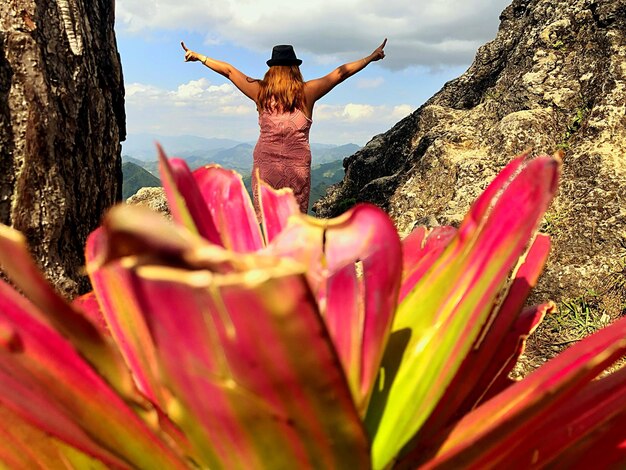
(308, 343)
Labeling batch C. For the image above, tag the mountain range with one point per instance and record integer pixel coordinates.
(142, 146)
(140, 166)
(229, 153)
(135, 177)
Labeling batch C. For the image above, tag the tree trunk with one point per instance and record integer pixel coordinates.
(61, 122)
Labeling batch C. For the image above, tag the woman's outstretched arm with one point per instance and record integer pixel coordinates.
(315, 89)
(247, 85)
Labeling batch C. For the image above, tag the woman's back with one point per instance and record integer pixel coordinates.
(282, 155)
(281, 129)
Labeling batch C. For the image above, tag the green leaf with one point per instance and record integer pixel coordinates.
(439, 321)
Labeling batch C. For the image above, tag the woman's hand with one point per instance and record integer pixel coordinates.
(190, 56)
(379, 52)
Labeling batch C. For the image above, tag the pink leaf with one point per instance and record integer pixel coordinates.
(492, 432)
(122, 316)
(360, 306)
(45, 381)
(514, 344)
(484, 371)
(15, 259)
(89, 306)
(85, 336)
(441, 318)
(277, 205)
(484, 204)
(186, 204)
(23, 446)
(590, 423)
(254, 377)
(230, 207)
(420, 249)
(353, 264)
(503, 337)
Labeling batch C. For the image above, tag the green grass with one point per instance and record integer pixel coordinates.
(345, 204)
(578, 317)
(576, 122)
(551, 223)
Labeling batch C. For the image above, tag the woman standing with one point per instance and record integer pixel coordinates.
(282, 156)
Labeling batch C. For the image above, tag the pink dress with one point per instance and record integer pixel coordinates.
(283, 155)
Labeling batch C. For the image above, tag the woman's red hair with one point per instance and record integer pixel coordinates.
(282, 89)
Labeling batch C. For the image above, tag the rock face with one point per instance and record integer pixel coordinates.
(554, 78)
(152, 198)
(61, 122)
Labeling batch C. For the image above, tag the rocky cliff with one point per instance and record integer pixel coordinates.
(553, 78)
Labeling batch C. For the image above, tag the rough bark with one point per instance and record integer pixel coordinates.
(61, 122)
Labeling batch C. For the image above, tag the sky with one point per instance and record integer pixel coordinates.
(429, 43)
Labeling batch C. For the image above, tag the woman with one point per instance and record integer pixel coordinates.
(282, 156)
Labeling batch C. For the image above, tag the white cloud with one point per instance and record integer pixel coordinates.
(239, 110)
(353, 113)
(201, 108)
(401, 111)
(420, 32)
(193, 89)
(353, 122)
(357, 112)
(214, 99)
(197, 107)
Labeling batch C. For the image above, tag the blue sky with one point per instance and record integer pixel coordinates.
(429, 43)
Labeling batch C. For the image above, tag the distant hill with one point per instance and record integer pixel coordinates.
(135, 177)
(327, 154)
(199, 151)
(139, 150)
(136, 161)
(322, 176)
(142, 146)
(237, 158)
(151, 167)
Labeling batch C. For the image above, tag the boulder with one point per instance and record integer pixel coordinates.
(152, 198)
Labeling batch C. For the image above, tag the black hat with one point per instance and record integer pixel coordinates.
(283, 55)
